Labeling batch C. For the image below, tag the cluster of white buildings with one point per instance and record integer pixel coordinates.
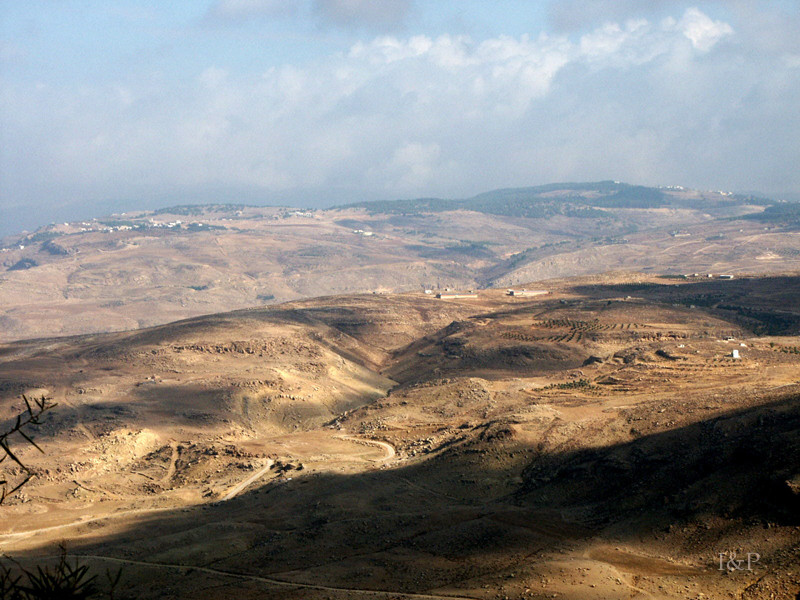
(157, 224)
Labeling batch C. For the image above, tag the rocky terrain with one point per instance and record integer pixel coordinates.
(622, 436)
(142, 269)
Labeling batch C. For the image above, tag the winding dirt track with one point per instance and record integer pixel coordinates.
(234, 491)
(274, 582)
(172, 461)
(122, 513)
(239, 487)
(390, 451)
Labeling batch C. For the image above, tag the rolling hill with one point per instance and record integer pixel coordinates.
(143, 269)
(598, 441)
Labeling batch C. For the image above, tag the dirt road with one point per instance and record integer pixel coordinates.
(233, 492)
(390, 451)
(239, 487)
(274, 582)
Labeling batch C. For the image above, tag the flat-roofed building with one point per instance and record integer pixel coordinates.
(452, 295)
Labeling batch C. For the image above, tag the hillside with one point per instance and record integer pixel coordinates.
(143, 269)
(573, 199)
(596, 442)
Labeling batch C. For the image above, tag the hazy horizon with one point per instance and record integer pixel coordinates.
(15, 220)
(140, 105)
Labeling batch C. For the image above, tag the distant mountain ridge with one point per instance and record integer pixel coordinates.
(143, 268)
(571, 199)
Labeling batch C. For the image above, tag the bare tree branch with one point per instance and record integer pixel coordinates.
(30, 417)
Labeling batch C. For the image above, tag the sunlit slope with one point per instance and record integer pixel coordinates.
(148, 268)
(599, 441)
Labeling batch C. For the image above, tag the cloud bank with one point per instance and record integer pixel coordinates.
(682, 99)
(385, 15)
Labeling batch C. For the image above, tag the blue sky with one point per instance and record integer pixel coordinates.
(135, 104)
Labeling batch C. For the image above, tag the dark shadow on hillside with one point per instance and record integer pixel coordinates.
(764, 305)
(451, 359)
(459, 515)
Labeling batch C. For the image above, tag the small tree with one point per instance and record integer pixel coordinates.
(65, 580)
(30, 417)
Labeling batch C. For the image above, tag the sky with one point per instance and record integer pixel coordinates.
(108, 106)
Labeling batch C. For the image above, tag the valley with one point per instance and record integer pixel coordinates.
(612, 438)
(400, 300)
(134, 270)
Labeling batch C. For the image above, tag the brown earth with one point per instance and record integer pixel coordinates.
(142, 269)
(596, 442)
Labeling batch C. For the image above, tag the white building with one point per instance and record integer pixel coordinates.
(524, 292)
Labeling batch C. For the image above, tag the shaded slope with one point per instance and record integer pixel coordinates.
(518, 467)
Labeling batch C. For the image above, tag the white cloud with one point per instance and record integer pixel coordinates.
(644, 101)
(390, 49)
(625, 45)
(703, 32)
(413, 166)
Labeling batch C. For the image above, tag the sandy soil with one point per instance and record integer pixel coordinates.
(597, 442)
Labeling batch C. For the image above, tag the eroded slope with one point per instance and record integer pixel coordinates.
(597, 442)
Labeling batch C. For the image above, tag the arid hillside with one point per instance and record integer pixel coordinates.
(621, 436)
(142, 269)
